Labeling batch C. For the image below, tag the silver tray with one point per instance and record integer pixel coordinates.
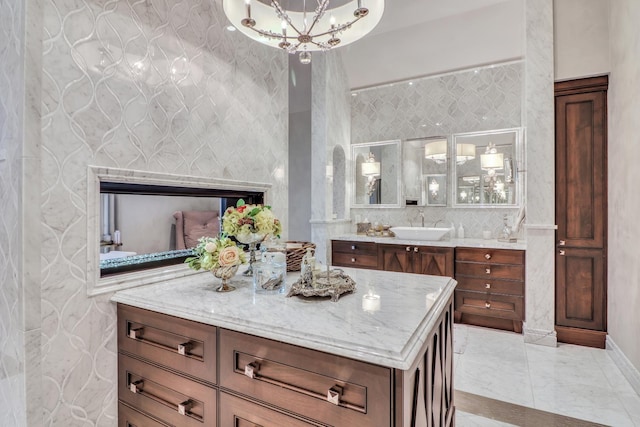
(327, 284)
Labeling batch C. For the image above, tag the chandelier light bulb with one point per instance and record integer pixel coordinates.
(319, 26)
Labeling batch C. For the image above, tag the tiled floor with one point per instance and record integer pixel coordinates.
(574, 381)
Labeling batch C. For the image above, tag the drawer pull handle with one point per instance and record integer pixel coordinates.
(561, 251)
(353, 260)
(136, 387)
(334, 394)
(487, 256)
(408, 249)
(487, 305)
(562, 243)
(415, 249)
(251, 369)
(185, 407)
(487, 285)
(135, 333)
(184, 348)
(353, 247)
(487, 270)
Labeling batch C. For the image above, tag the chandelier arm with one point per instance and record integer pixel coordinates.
(282, 14)
(339, 28)
(318, 14)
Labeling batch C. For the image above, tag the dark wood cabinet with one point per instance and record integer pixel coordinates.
(354, 254)
(490, 289)
(581, 211)
(437, 261)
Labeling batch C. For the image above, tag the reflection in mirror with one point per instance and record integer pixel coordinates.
(376, 177)
(436, 186)
(486, 177)
(146, 226)
(422, 157)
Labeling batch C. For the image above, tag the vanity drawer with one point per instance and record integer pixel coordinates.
(354, 248)
(129, 417)
(178, 344)
(353, 260)
(497, 256)
(299, 380)
(509, 287)
(171, 398)
(238, 412)
(493, 305)
(488, 270)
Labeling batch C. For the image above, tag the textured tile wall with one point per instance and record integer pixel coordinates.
(147, 85)
(478, 99)
(12, 328)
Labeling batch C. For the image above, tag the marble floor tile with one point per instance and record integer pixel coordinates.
(464, 419)
(569, 380)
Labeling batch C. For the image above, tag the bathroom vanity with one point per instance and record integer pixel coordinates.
(490, 274)
(382, 356)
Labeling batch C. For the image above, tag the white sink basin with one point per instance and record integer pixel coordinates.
(419, 233)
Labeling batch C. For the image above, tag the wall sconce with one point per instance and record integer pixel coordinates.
(371, 169)
(434, 187)
(491, 161)
(437, 151)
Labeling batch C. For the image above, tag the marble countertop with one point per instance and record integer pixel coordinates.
(448, 243)
(390, 335)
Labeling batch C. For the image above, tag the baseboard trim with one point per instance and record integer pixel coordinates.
(540, 337)
(626, 367)
(577, 336)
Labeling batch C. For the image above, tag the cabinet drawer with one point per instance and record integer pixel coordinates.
(498, 256)
(353, 260)
(492, 305)
(487, 270)
(129, 417)
(169, 397)
(509, 287)
(238, 412)
(178, 344)
(357, 248)
(299, 380)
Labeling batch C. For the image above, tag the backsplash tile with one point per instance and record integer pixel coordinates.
(474, 100)
(151, 86)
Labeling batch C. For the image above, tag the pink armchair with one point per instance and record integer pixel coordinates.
(191, 225)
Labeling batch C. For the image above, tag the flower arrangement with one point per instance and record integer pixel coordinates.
(244, 220)
(212, 253)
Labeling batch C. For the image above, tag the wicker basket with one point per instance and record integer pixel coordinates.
(295, 252)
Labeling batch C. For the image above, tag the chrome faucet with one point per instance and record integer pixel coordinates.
(435, 225)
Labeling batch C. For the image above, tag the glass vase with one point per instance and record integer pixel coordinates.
(225, 273)
(251, 239)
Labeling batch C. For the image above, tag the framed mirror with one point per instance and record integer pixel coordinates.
(485, 168)
(376, 174)
(422, 157)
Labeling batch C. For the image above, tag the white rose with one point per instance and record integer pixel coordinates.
(210, 247)
(229, 256)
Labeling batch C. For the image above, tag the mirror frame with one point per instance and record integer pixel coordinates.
(518, 160)
(146, 274)
(352, 174)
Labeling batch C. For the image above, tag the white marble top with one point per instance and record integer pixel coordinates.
(448, 243)
(390, 336)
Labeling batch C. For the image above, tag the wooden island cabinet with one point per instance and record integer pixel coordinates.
(189, 356)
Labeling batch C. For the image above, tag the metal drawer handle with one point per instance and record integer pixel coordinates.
(487, 270)
(562, 243)
(487, 305)
(415, 249)
(334, 394)
(136, 387)
(561, 251)
(353, 247)
(408, 249)
(251, 369)
(185, 407)
(185, 348)
(487, 286)
(487, 256)
(135, 333)
(353, 260)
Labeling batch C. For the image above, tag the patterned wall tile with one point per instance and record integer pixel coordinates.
(479, 99)
(148, 85)
(12, 327)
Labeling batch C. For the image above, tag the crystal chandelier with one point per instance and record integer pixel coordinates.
(293, 26)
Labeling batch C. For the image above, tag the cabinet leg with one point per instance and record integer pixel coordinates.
(517, 326)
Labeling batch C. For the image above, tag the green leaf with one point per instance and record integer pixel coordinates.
(240, 203)
(254, 212)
